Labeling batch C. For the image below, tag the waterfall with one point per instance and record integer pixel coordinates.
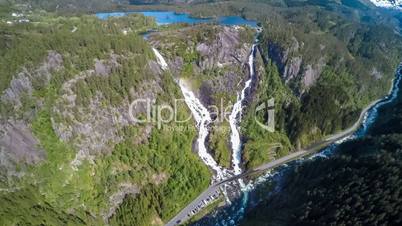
(202, 118)
(160, 59)
(235, 117)
(234, 213)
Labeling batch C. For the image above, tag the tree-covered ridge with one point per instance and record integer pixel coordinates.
(360, 185)
(321, 69)
(44, 35)
(262, 145)
(356, 189)
(340, 55)
(335, 66)
(107, 64)
(103, 66)
(212, 60)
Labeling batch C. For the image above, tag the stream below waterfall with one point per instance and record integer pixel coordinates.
(203, 119)
(235, 117)
(269, 183)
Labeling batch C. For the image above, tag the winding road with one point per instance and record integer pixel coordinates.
(204, 198)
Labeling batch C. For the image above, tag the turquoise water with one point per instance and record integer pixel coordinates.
(236, 20)
(162, 17)
(171, 17)
(233, 214)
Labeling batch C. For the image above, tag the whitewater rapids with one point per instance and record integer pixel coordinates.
(202, 118)
(235, 117)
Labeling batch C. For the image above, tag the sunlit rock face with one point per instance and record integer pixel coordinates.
(388, 3)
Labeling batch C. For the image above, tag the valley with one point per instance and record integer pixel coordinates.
(145, 115)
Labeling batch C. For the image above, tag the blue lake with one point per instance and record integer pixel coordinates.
(232, 214)
(236, 20)
(171, 17)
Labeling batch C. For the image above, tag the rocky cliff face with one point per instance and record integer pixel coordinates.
(292, 66)
(213, 61)
(26, 81)
(397, 4)
(18, 146)
(94, 128)
(212, 58)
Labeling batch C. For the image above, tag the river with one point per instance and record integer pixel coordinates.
(270, 183)
(200, 113)
(232, 214)
(203, 119)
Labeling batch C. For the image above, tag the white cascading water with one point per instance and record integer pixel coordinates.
(235, 118)
(203, 119)
(160, 59)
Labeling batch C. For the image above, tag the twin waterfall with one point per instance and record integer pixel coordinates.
(203, 119)
(235, 117)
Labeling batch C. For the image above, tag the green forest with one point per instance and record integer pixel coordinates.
(158, 167)
(53, 193)
(359, 185)
(346, 84)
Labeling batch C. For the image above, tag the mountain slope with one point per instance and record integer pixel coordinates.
(320, 77)
(72, 154)
(360, 184)
(67, 140)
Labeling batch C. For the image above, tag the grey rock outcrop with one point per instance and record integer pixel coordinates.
(225, 50)
(292, 66)
(312, 73)
(117, 198)
(18, 146)
(93, 129)
(105, 67)
(222, 58)
(376, 74)
(25, 81)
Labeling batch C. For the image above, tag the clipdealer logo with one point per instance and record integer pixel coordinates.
(142, 111)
